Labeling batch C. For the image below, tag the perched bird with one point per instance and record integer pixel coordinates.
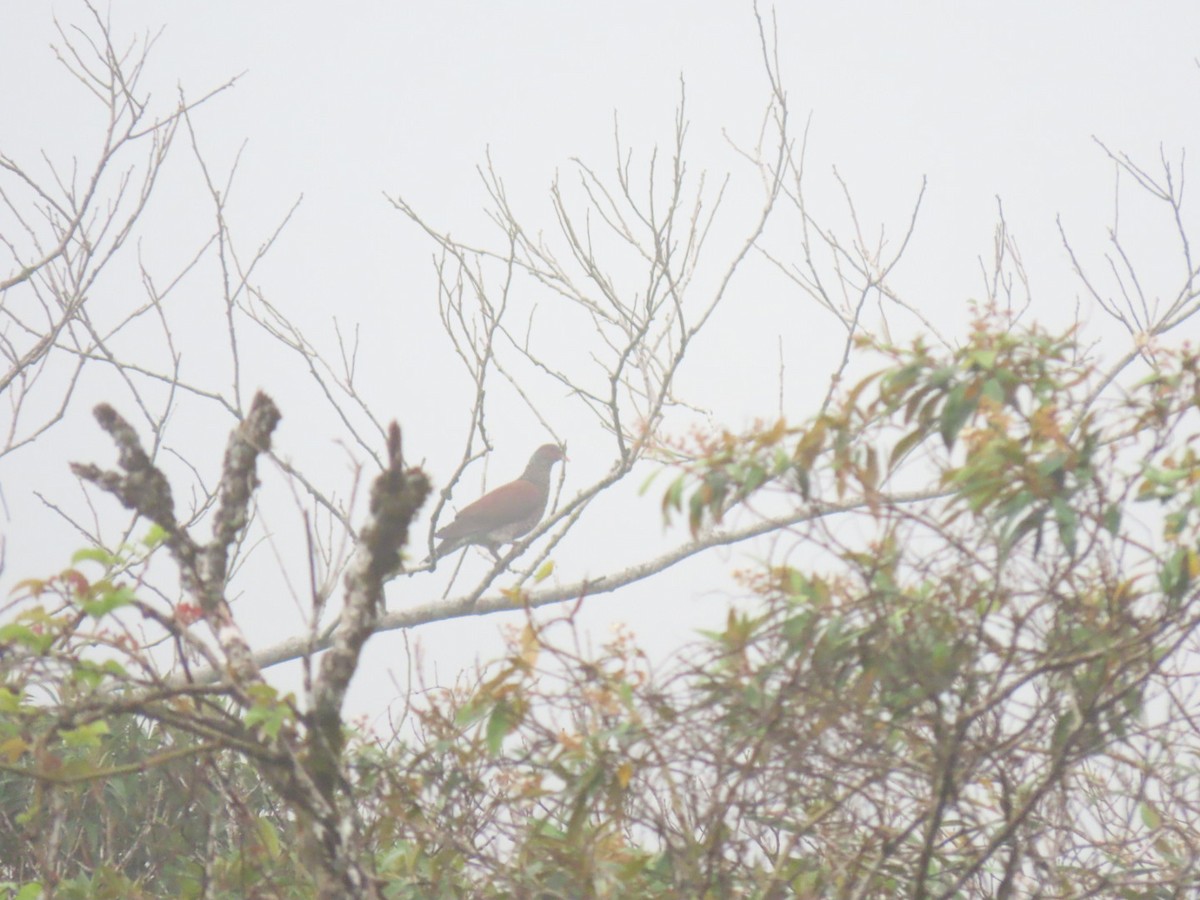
(503, 515)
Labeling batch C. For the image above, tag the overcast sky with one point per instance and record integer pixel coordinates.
(345, 104)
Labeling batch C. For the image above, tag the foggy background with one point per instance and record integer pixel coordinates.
(347, 106)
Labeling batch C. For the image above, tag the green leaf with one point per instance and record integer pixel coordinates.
(1173, 577)
(1165, 477)
(35, 586)
(904, 445)
(753, 477)
(10, 701)
(470, 714)
(31, 890)
(958, 409)
(269, 712)
(803, 482)
(984, 359)
(14, 633)
(673, 498)
(154, 536)
(94, 554)
(1175, 523)
(1031, 522)
(268, 836)
(85, 735)
(900, 380)
(1112, 518)
(1015, 505)
(1052, 464)
(269, 718)
(993, 390)
(500, 723)
(1068, 523)
(1064, 729)
(1150, 816)
(110, 600)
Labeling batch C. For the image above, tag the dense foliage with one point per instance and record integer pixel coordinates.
(966, 692)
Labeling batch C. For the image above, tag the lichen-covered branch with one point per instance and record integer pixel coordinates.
(202, 568)
(396, 496)
(305, 765)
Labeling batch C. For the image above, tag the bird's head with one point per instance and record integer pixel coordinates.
(542, 461)
(549, 454)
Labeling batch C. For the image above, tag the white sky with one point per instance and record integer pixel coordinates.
(406, 98)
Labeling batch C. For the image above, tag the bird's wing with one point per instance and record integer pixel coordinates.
(506, 504)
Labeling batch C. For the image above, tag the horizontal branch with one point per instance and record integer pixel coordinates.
(468, 606)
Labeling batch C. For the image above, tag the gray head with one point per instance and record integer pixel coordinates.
(542, 461)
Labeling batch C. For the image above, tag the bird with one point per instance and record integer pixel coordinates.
(504, 514)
